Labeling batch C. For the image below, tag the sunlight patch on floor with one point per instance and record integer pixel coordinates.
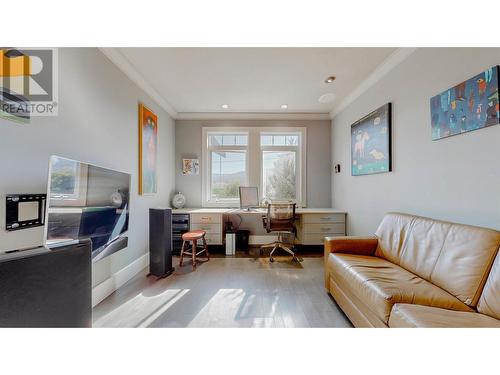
(142, 309)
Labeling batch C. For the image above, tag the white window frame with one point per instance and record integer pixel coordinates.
(300, 162)
(207, 200)
(254, 160)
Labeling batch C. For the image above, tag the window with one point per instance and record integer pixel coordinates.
(226, 159)
(280, 160)
(271, 158)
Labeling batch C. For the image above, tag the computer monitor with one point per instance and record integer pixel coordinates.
(249, 197)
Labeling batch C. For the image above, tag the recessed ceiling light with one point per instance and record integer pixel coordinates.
(330, 79)
(225, 106)
(284, 106)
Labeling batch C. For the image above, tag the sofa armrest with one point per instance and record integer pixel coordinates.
(351, 245)
(348, 245)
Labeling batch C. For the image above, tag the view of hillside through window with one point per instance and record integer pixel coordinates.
(228, 173)
(229, 153)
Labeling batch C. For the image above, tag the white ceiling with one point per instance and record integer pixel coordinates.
(258, 80)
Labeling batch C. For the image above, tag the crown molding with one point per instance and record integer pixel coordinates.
(117, 58)
(252, 116)
(393, 60)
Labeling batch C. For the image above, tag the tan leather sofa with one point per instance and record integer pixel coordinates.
(416, 272)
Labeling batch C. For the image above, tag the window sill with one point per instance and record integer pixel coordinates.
(221, 204)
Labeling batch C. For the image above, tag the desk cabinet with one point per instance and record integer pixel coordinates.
(312, 228)
(180, 225)
(210, 223)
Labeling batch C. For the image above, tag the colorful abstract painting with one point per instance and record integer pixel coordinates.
(148, 144)
(371, 143)
(471, 105)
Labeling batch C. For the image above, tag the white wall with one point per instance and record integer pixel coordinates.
(97, 123)
(456, 178)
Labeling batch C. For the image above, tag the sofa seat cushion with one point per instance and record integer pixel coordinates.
(418, 316)
(380, 284)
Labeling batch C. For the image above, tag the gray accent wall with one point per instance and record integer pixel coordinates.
(456, 178)
(98, 124)
(188, 142)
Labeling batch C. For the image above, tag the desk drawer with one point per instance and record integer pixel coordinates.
(209, 228)
(213, 239)
(316, 238)
(180, 218)
(206, 218)
(323, 228)
(323, 218)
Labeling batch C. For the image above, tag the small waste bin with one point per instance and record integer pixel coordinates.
(242, 239)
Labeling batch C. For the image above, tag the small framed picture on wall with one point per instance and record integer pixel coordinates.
(190, 167)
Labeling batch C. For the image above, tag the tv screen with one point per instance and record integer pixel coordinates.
(86, 202)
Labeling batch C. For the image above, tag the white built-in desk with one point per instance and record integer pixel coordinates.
(313, 224)
(211, 220)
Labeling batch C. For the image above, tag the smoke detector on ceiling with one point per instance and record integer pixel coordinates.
(327, 98)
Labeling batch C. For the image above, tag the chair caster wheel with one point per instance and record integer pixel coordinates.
(271, 260)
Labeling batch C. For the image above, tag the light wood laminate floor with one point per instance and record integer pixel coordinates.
(226, 292)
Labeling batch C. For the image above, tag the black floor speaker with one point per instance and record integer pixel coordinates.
(160, 242)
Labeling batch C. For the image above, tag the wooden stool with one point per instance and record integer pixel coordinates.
(194, 236)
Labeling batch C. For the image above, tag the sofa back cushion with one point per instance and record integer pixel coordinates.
(489, 303)
(455, 257)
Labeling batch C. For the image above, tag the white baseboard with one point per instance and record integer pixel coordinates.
(108, 286)
(261, 239)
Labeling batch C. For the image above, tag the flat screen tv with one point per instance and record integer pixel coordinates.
(87, 202)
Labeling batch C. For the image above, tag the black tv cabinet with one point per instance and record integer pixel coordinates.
(44, 287)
